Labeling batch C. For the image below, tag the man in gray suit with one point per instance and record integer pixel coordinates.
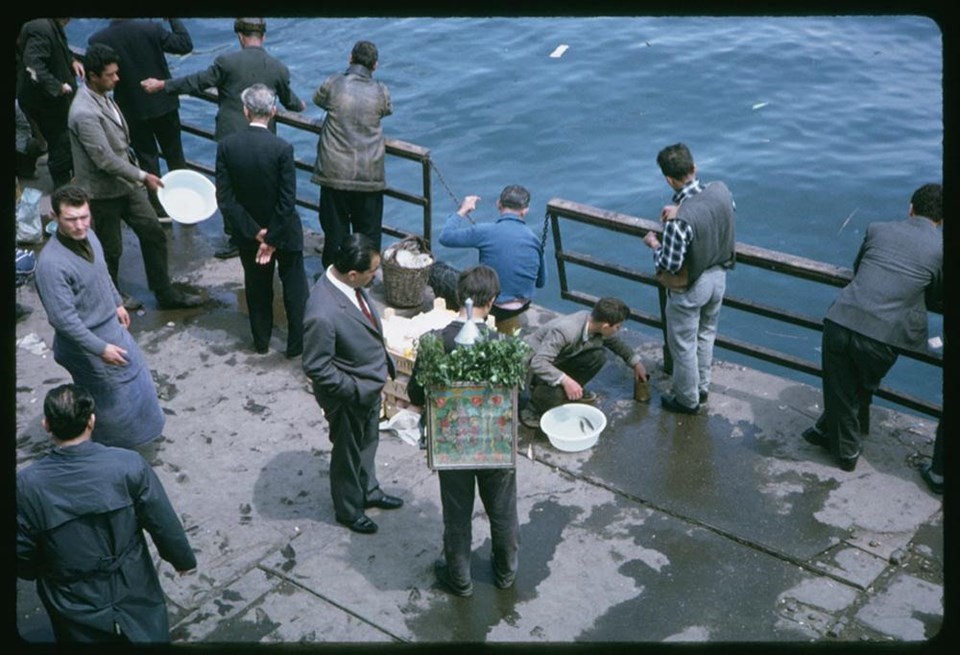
(345, 356)
(898, 273)
(105, 166)
(230, 74)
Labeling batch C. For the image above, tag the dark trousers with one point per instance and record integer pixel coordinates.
(498, 493)
(582, 368)
(147, 134)
(937, 464)
(355, 434)
(135, 210)
(853, 367)
(151, 136)
(345, 212)
(53, 127)
(258, 287)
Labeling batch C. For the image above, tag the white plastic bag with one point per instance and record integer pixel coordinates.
(406, 424)
(29, 223)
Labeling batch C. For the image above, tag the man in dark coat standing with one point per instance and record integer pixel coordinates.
(345, 356)
(152, 119)
(47, 75)
(81, 513)
(497, 486)
(897, 275)
(230, 74)
(256, 192)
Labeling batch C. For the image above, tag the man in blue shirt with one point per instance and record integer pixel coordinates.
(508, 246)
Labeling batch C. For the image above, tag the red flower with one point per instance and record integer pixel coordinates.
(496, 400)
(441, 402)
(477, 401)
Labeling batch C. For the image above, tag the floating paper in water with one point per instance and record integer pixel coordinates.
(760, 105)
(935, 342)
(556, 54)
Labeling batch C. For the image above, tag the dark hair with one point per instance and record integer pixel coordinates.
(928, 201)
(514, 197)
(98, 57)
(355, 253)
(365, 54)
(250, 26)
(67, 409)
(675, 161)
(610, 310)
(480, 283)
(70, 195)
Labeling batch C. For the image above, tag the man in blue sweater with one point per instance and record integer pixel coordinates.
(508, 246)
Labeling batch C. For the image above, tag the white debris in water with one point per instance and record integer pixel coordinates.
(560, 49)
(169, 323)
(935, 342)
(760, 105)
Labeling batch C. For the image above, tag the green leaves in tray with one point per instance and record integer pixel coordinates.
(488, 361)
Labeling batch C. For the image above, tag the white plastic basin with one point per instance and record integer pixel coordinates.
(187, 196)
(573, 427)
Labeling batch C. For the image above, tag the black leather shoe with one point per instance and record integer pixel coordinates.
(934, 481)
(848, 463)
(363, 525)
(443, 577)
(671, 404)
(384, 502)
(175, 299)
(815, 437)
(227, 252)
(130, 303)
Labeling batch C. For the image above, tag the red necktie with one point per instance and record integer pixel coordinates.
(364, 309)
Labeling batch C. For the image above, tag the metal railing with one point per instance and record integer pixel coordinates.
(770, 260)
(394, 148)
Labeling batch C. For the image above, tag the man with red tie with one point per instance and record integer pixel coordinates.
(345, 357)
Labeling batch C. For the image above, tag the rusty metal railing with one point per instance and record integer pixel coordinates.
(394, 147)
(770, 260)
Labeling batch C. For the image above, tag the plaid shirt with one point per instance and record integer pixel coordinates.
(677, 233)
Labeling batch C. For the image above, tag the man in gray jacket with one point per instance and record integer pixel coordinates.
(346, 358)
(350, 151)
(105, 166)
(567, 353)
(898, 273)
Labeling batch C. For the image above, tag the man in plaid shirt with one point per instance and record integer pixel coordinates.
(697, 249)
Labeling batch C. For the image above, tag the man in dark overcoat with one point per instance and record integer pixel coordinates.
(81, 515)
(256, 193)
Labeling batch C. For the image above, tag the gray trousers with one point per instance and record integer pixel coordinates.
(692, 318)
(355, 434)
(582, 368)
(498, 493)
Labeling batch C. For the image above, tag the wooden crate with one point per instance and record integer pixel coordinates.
(394, 395)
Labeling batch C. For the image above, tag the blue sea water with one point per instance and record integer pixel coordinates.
(819, 125)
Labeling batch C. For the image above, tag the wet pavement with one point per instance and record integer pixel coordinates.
(716, 528)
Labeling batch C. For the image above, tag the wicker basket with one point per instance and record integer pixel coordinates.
(404, 287)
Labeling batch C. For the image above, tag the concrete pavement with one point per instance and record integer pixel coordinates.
(716, 528)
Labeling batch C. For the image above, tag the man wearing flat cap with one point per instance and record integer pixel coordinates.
(231, 73)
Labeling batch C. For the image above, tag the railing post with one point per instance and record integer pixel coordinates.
(558, 252)
(667, 357)
(428, 202)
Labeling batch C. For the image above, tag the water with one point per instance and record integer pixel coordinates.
(819, 126)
